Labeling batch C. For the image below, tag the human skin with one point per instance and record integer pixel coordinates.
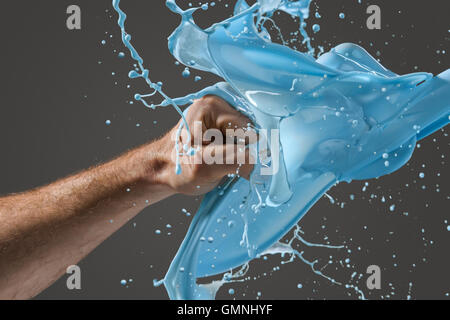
(45, 230)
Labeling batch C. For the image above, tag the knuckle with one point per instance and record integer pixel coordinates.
(211, 101)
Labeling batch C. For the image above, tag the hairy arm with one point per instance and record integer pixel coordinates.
(43, 231)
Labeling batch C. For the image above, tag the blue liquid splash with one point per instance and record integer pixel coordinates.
(341, 117)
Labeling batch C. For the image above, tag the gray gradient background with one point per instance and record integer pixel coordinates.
(56, 98)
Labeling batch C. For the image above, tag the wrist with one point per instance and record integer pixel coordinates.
(155, 166)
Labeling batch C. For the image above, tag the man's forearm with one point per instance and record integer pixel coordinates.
(47, 229)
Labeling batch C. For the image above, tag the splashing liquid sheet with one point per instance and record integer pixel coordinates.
(341, 117)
